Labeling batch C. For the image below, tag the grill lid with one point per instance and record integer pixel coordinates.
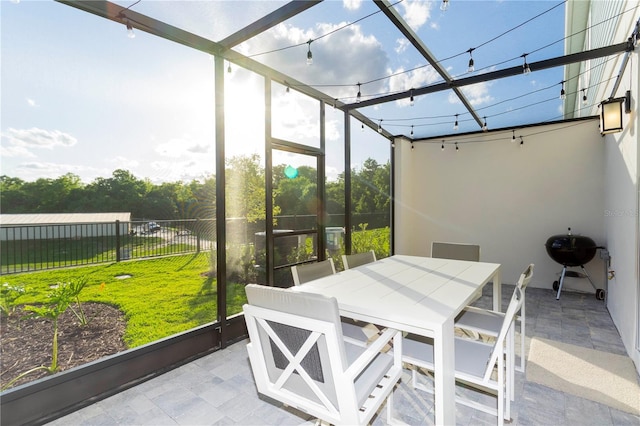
(571, 250)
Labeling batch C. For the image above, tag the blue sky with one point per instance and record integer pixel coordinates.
(79, 96)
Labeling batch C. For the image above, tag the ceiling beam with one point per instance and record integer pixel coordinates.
(507, 72)
(387, 8)
(268, 21)
(116, 13)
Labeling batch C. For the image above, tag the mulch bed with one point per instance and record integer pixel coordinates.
(26, 343)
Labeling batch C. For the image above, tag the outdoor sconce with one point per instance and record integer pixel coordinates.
(611, 113)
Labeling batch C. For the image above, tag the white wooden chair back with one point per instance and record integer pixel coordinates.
(312, 271)
(455, 251)
(498, 349)
(358, 259)
(298, 357)
(525, 277)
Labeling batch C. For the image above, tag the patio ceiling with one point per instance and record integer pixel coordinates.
(408, 60)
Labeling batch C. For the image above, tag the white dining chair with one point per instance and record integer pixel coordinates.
(456, 251)
(475, 363)
(353, 331)
(358, 259)
(488, 322)
(298, 357)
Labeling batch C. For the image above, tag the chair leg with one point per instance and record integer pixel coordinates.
(522, 337)
(511, 361)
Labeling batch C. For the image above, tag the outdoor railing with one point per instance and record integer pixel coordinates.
(25, 248)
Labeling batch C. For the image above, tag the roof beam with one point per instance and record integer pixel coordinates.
(507, 72)
(268, 21)
(387, 8)
(116, 13)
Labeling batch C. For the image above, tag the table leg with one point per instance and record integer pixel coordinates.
(444, 377)
(497, 291)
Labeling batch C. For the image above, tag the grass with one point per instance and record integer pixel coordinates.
(160, 298)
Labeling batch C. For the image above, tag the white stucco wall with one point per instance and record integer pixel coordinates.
(622, 220)
(506, 197)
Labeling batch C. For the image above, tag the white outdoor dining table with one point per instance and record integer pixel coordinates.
(421, 295)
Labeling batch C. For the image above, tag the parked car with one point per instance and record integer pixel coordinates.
(153, 227)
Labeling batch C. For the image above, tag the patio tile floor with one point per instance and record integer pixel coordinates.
(218, 389)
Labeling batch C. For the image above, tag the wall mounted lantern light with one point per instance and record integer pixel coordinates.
(611, 113)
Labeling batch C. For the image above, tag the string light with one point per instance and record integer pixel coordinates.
(455, 125)
(362, 127)
(442, 147)
(444, 6)
(412, 145)
(563, 94)
(380, 126)
(525, 67)
(229, 67)
(513, 137)
(359, 95)
(521, 141)
(457, 149)
(471, 68)
(412, 130)
(130, 32)
(484, 125)
(287, 89)
(411, 101)
(584, 97)
(309, 54)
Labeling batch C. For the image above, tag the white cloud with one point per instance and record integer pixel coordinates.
(38, 138)
(15, 151)
(351, 4)
(32, 103)
(401, 45)
(337, 59)
(413, 79)
(124, 163)
(416, 12)
(31, 171)
(477, 94)
(181, 147)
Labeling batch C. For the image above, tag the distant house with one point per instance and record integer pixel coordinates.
(43, 226)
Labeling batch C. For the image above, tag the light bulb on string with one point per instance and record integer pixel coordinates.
(563, 94)
(229, 67)
(584, 97)
(359, 95)
(471, 68)
(412, 130)
(457, 149)
(411, 101)
(309, 54)
(380, 126)
(412, 145)
(444, 6)
(525, 67)
(442, 146)
(362, 127)
(521, 141)
(455, 125)
(130, 32)
(513, 136)
(484, 125)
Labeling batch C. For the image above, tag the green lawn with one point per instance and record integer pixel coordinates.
(162, 297)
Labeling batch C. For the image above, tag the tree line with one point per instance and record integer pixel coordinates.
(294, 193)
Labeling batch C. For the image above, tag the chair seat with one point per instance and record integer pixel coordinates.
(480, 320)
(471, 356)
(370, 377)
(354, 333)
